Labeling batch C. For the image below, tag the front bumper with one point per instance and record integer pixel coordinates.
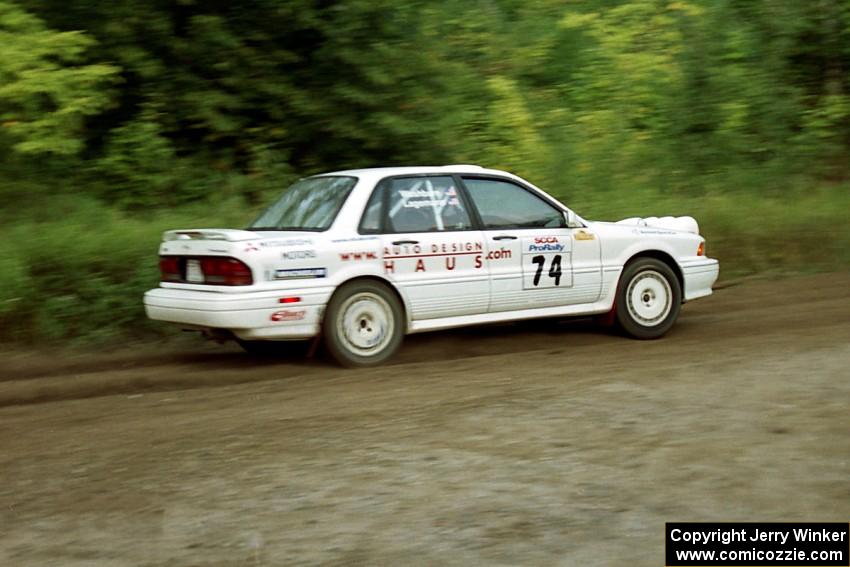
(250, 316)
(699, 277)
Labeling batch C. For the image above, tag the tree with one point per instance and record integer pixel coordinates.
(46, 89)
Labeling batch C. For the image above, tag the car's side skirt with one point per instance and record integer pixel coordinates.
(602, 306)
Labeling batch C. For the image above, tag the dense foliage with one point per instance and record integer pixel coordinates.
(117, 118)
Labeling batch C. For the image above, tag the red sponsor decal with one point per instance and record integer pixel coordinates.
(503, 253)
(455, 247)
(441, 249)
(546, 240)
(346, 256)
(288, 315)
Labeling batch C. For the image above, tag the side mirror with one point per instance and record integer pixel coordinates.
(572, 220)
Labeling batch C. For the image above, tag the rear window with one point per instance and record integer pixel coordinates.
(309, 204)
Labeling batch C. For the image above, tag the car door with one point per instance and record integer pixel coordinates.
(431, 248)
(534, 259)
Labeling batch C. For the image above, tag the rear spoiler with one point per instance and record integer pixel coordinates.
(228, 234)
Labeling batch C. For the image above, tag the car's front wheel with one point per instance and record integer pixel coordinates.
(363, 324)
(648, 299)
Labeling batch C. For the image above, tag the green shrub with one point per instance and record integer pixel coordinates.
(80, 276)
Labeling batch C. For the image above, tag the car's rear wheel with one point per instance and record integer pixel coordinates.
(363, 324)
(648, 299)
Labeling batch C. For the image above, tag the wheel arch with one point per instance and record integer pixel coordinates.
(661, 256)
(383, 281)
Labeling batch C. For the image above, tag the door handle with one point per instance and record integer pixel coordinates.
(400, 242)
(504, 237)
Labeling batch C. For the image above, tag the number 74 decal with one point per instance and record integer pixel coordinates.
(554, 269)
(546, 270)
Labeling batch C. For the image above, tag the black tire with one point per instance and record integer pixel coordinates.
(274, 349)
(649, 298)
(364, 324)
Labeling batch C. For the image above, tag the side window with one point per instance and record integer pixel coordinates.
(503, 204)
(422, 204)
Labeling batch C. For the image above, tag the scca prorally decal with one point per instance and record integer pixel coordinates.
(546, 244)
(287, 242)
(298, 254)
(347, 256)
(300, 273)
(288, 315)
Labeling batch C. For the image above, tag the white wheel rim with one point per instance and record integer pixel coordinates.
(649, 298)
(365, 324)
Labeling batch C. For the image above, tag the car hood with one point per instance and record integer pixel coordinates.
(679, 224)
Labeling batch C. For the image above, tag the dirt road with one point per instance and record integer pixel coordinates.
(538, 444)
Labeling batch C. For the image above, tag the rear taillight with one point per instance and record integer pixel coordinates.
(214, 270)
(169, 269)
(225, 271)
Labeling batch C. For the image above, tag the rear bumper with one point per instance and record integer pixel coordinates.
(249, 316)
(699, 277)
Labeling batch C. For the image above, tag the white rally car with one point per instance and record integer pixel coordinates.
(363, 257)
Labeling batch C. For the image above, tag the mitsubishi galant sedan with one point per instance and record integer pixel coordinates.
(360, 258)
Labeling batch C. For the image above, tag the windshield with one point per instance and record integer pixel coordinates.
(309, 204)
